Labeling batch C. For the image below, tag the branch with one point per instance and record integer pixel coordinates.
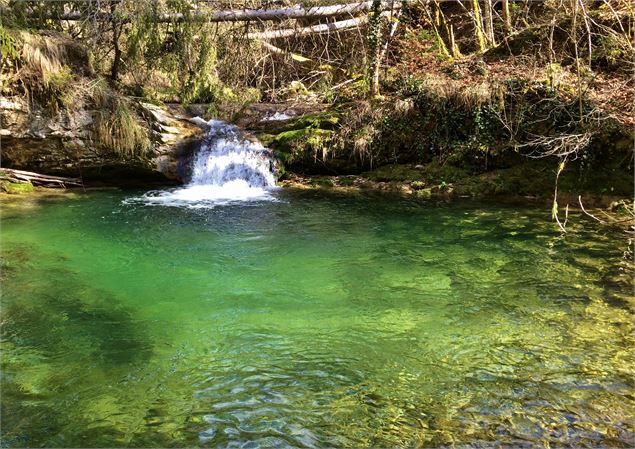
(561, 146)
(587, 213)
(37, 178)
(280, 51)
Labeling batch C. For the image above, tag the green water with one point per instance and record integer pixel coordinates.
(315, 320)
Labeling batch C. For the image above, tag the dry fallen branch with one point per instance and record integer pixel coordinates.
(561, 146)
(314, 29)
(585, 211)
(280, 51)
(20, 176)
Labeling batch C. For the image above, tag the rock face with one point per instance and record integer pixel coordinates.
(61, 143)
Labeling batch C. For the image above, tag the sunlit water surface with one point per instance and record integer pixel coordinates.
(312, 320)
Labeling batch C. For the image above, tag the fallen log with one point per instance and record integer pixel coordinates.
(20, 176)
(342, 25)
(314, 29)
(232, 15)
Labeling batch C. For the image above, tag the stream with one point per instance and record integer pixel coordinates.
(308, 319)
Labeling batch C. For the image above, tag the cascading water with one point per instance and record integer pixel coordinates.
(227, 168)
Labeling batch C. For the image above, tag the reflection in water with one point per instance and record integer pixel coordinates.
(313, 321)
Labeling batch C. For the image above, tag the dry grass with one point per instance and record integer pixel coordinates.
(42, 58)
(49, 68)
(117, 128)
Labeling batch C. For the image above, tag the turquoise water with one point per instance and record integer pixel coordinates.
(312, 321)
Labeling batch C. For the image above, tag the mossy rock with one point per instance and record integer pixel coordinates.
(395, 172)
(15, 188)
(296, 140)
(418, 175)
(322, 182)
(317, 120)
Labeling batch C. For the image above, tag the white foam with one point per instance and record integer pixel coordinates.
(227, 169)
(206, 196)
(278, 116)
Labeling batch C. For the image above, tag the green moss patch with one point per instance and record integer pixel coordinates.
(15, 188)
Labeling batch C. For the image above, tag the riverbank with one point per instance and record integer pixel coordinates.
(607, 209)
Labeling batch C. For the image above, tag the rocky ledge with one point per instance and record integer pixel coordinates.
(32, 138)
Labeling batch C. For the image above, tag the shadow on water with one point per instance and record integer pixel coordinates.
(57, 334)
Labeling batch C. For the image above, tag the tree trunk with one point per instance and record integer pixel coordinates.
(280, 51)
(374, 46)
(116, 33)
(507, 17)
(489, 22)
(37, 179)
(478, 26)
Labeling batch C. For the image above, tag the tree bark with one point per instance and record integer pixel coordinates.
(116, 33)
(478, 26)
(489, 23)
(507, 17)
(280, 51)
(374, 43)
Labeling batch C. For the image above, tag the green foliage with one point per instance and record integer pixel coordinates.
(183, 54)
(615, 52)
(9, 49)
(59, 92)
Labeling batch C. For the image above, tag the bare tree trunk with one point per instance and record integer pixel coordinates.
(478, 26)
(391, 34)
(280, 51)
(507, 19)
(374, 46)
(116, 33)
(489, 23)
(21, 176)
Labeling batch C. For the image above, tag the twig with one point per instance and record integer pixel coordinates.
(587, 213)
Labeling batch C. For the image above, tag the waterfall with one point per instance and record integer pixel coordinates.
(228, 162)
(227, 168)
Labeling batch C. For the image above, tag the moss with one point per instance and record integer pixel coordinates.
(16, 188)
(396, 172)
(301, 141)
(530, 177)
(418, 175)
(346, 181)
(266, 139)
(298, 146)
(322, 182)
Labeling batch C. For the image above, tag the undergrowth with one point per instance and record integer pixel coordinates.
(117, 128)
